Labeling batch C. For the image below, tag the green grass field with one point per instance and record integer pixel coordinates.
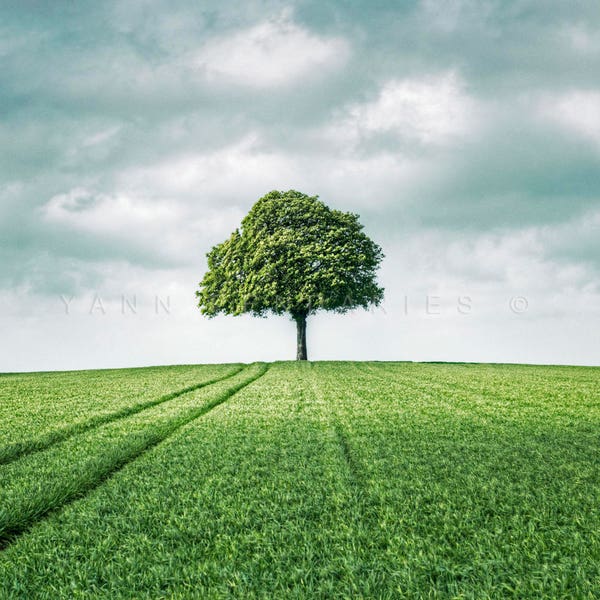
(301, 480)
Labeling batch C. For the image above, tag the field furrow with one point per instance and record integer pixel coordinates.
(19, 449)
(34, 405)
(37, 484)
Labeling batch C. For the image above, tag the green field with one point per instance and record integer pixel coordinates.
(302, 480)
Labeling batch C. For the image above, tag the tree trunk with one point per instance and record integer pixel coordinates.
(301, 353)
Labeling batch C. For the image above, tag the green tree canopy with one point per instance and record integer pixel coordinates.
(293, 255)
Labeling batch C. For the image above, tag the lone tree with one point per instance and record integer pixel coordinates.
(293, 255)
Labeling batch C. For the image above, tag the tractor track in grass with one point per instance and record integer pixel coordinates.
(12, 526)
(13, 452)
(367, 504)
(355, 469)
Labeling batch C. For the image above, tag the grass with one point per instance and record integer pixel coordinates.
(45, 481)
(319, 480)
(62, 404)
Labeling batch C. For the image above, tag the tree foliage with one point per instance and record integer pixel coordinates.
(295, 255)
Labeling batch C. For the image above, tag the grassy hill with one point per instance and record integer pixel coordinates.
(301, 480)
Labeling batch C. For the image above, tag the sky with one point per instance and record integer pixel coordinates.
(135, 135)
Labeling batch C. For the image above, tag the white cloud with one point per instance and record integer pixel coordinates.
(491, 268)
(142, 227)
(577, 111)
(102, 136)
(99, 213)
(229, 180)
(582, 39)
(430, 111)
(270, 54)
(230, 176)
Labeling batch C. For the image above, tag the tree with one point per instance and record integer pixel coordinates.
(293, 255)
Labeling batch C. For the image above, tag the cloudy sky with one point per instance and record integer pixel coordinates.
(135, 135)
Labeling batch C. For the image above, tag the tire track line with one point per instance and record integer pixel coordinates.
(13, 452)
(368, 504)
(13, 526)
(355, 470)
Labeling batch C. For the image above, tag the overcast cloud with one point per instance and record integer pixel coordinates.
(134, 135)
